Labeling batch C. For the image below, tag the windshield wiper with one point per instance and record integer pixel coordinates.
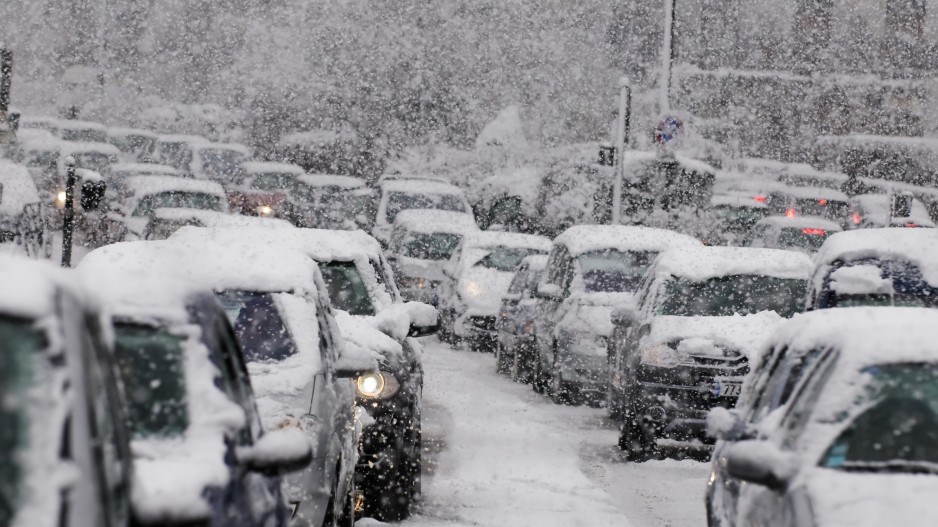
(896, 465)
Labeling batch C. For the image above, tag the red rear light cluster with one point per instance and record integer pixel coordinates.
(856, 218)
(760, 199)
(813, 232)
(790, 213)
(822, 201)
(911, 225)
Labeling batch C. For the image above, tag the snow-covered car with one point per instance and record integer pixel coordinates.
(219, 162)
(736, 216)
(890, 210)
(791, 232)
(263, 188)
(325, 201)
(21, 212)
(144, 195)
(374, 317)
(592, 270)
(398, 194)
(421, 244)
(39, 150)
(64, 461)
(702, 318)
(832, 205)
(98, 157)
(81, 131)
(121, 171)
(37, 122)
(176, 150)
(516, 348)
(856, 444)
(476, 277)
(868, 267)
(135, 144)
(199, 447)
(298, 362)
(167, 220)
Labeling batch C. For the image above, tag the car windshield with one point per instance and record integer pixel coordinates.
(435, 246)
(261, 330)
(97, 161)
(274, 182)
(175, 154)
(223, 164)
(134, 143)
(611, 270)
(740, 220)
(896, 428)
(20, 342)
(398, 201)
(177, 200)
(83, 135)
(506, 259)
(733, 295)
(804, 238)
(347, 290)
(151, 363)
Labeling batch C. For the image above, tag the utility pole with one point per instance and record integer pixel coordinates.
(7, 130)
(68, 224)
(622, 138)
(667, 56)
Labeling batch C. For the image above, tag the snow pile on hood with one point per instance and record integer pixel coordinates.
(918, 246)
(492, 239)
(860, 280)
(364, 341)
(396, 320)
(704, 263)
(433, 221)
(744, 333)
(585, 238)
(19, 189)
(505, 131)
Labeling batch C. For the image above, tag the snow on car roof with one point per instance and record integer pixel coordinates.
(70, 124)
(431, 221)
(330, 180)
(811, 193)
(486, 239)
(265, 167)
(703, 263)
(418, 186)
(181, 138)
(800, 222)
(214, 264)
(146, 168)
(29, 286)
(27, 120)
(73, 147)
(633, 158)
(142, 185)
(19, 188)
(139, 294)
(124, 132)
(215, 219)
(232, 147)
(319, 244)
(919, 246)
(877, 207)
(584, 238)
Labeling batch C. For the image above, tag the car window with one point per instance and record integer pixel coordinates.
(519, 281)
(505, 259)
(781, 382)
(177, 200)
(733, 295)
(347, 290)
(433, 246)
(611, 270)
(803, 400)
(239, 379)
(398, 201)
(802, 238)
(257, 323)
(274, 182)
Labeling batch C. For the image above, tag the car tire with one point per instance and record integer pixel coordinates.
(634, 440)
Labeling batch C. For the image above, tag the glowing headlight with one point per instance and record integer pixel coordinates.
(264, 210)
(380, 385)
(473, 289)
(661, 355)
(59, 199)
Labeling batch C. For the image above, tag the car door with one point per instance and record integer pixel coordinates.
(507, 321)
(546, 307)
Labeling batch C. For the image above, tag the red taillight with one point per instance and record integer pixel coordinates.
(790, 213)
(822, 201)
(911, 225)
(760, 199)
(856, 218)
(813, 232)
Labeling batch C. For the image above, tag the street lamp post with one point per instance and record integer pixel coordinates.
(68, 224)
(622, 138)
(667, 55)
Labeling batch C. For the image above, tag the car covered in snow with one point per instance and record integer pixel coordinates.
(21, 211)
(64, 447)
(299, 365)
(371, 315)
(791, 232)
(398, 194)
(421, 244)
(81, 131)
(592, 270)
(832, 205)
(38, 122)
(867, 267)
(165, 221)
(219, 162)
(736, 215)
(263, 188)
(176, 150)
(98, 157)
(326, 201)
(135, 144)
(476, 277)
(701, 319)
(121, 171)
(144, 195)
(39, 150)
(856, 443)
(890, 210)
(200, 451)
(516, 347)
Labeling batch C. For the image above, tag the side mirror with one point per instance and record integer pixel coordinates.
(550, 292)
(277, 452)
(727, 424)
(92, 193)
(626, 317)
(761, 462)
(424, 319)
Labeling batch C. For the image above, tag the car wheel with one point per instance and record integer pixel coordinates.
(635, 440)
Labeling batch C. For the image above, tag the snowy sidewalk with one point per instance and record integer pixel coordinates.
(509, 457)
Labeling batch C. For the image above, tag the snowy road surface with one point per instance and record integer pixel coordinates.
(501, 455)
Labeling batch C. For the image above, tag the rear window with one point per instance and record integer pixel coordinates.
(506, 259)
(398, 201)
(733, 295)
(611, 270)
(435, 246)
(261, 331)
(177, 200)
(804, 238)
(347, 290)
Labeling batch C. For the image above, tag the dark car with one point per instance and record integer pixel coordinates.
(869, 267)
(61, 410)
(515, 351)
(701, 315)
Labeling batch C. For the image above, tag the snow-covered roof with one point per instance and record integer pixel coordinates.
(181, 138)
(330, 180)
(433, 221)
(812, 193)
(584, 238)
(213, 264)
(232, 147)
(918, 246)
(418, 186)
(29, 286)
(139, 294)
(124, 132)
(801, 222)
(143, 185)
(314, 137)
(736, 200)
(37, 138)
(19, 188)
(490, 239)
(36, 121)
(145, 168)
(703, 263)
(266, 167)
(70, 124)
(68, 148)
(215, 219)
(319, 244)
(876, 207)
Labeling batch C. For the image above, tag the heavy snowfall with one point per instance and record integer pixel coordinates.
(310, 263)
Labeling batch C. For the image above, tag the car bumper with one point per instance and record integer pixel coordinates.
(587, 373)
(386, 440)
(679, 411)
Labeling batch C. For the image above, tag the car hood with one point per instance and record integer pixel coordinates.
(847, 499)
(746, 334)
(592, 312)
(482, 289)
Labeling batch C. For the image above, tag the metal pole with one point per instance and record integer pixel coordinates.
(622, 138)
(68, 223)
(667, 55)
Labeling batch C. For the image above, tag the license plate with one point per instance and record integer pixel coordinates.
(727, 388)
